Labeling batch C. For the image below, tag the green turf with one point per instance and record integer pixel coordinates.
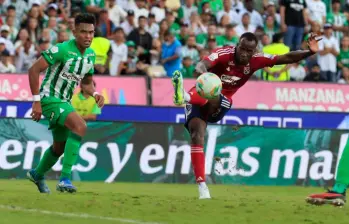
(166, 203)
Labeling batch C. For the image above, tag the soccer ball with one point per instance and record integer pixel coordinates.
(208, 85)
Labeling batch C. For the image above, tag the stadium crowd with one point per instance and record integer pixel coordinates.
(156, 37)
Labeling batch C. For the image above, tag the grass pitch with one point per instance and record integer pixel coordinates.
(162, 203)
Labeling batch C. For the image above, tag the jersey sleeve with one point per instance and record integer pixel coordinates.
(264, 60)
(219, 56)
(54, 54)
(92, 70)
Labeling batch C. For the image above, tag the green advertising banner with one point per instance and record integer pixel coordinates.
(148, 152)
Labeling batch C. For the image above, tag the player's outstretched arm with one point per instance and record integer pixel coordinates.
(295, 56)
(89, 88)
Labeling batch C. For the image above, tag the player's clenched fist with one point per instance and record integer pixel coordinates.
(99, 100)
(36, 111)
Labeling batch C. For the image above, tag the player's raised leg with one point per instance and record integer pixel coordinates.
(77, 126)
(197, 128)
(336, 196)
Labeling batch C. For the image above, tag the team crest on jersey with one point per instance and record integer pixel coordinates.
(247, 70)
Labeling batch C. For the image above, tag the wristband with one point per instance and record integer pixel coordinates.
(36, 98)
(95, 93)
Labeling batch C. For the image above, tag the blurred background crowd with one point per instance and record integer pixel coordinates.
(155, 37)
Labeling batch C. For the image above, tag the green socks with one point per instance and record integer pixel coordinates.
(342, 178)
(47, 162)
(71, 153)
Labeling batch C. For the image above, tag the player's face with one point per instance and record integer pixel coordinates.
(245, 49)
(84, 34)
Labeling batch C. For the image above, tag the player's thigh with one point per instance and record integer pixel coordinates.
(74, 122)
(195, 123)
(225, 105)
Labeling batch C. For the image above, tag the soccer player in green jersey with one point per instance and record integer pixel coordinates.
(66, 64)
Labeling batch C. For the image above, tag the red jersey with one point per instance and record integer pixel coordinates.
(235, 76)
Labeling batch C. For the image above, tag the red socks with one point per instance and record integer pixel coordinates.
(198, 162)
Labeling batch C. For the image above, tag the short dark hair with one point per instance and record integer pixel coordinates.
(229, 26)
(11, 7)
(85, 18)
(119, 29)
(167, 33)
(142, 17)
(249, 36)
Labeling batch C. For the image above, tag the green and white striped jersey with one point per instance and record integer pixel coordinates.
(67, 67)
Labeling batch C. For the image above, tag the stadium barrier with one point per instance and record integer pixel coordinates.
(295, 96)
(148, 152)
(266, 118)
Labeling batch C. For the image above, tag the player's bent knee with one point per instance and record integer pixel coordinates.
(80, 129)
(197, 137)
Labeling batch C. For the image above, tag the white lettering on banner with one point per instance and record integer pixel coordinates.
(5, 87)
(148, 156)
(255, 120)
(310, 95)
(172, 159)
(88, 156)
(10, 148)
(117, 162)
(322, 169)
(290, 157)
(249, 160)
(33, 146)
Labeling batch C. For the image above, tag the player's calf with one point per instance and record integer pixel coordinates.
(197, 128)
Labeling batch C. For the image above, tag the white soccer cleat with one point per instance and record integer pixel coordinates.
(204, 193)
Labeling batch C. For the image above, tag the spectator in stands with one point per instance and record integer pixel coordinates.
(33, 29)
(25, 56)
(202, 38)
(338, 20)
(184, 33)
(270, 27)
(277, 72)
(196, 25)
(43, 45)
(152, 26)
(171, 22)
(163, 28)
(297, 72)
(6, 65)
(255, 18)
(116, 13)
(245, 25)
(211, 44)
(230, 37)
(155, 52)
(189, 50)
(139, 10)
(204, 53)
(317, 11)
(329, 50)
(343, 57)
(186, 10)
(94, 6)
(129, 24)
(85, 105)
(314, 75)
(62, 36)
(171, 53)
(5, 33)
(102, 49)
(271, 11)
(105, 25)
(345, 76)
(10, 21)
(188, 67)
(293, 21)
(159, 10)
(310, 61)
(142, 39)
(227, 10)
(119, 52)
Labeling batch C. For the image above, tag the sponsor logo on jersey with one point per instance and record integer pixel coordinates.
(247, 70)
(230, 79)
(71, 76)
(54, 49)
(90, 55)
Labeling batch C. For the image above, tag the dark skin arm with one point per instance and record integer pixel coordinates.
(295, 56)
(202, 67)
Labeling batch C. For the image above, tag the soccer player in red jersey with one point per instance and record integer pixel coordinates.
(234, 65)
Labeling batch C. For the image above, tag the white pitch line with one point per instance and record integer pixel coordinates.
(75, 215)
